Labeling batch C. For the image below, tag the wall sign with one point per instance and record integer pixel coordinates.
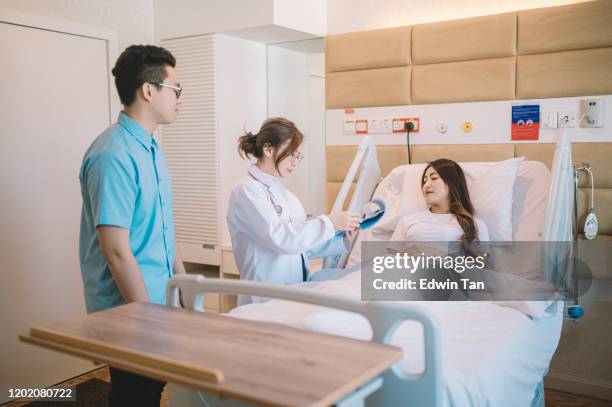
(525, 122)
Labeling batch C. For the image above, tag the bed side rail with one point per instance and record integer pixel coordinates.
(365, 163)
(398, 388)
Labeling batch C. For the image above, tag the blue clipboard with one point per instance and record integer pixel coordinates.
(371, 216)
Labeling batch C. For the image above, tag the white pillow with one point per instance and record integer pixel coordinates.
(490, 185)
(401, 181)
(530, 200)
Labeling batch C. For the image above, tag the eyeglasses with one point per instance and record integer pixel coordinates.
(296, 156)
(177, 89)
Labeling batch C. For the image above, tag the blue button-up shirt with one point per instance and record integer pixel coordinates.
(125, 183)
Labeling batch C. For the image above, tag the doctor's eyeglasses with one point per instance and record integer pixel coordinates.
(296, 157)
(177, 89)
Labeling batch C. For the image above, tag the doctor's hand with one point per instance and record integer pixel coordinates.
(345, 220)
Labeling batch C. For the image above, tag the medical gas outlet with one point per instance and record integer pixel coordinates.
(589, 115)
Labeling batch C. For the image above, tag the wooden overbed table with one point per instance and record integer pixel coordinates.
(257, 362)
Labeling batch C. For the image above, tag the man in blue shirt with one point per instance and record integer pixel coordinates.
(127, 243)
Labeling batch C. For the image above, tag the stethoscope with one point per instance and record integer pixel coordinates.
(277, 208)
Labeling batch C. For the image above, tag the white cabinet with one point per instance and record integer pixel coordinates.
(190, 145)
(224, 82)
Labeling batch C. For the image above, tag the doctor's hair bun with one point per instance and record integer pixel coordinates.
(247, 145)
(276, 132)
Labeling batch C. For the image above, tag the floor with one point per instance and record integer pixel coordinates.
(554, 398)
(98, 373)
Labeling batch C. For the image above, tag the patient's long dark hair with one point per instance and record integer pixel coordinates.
(460, 202)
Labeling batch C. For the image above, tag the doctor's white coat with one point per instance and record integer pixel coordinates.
(269, 247)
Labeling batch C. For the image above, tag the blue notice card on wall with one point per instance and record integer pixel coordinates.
(525, 122)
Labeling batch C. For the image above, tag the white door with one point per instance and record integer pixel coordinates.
(54, 101)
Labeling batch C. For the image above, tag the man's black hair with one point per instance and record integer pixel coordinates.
(139, 64)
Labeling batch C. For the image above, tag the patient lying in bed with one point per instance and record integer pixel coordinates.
(450, 215)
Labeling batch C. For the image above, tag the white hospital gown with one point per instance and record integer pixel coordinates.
(425, 226)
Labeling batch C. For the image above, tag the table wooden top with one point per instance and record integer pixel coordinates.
(259, 362)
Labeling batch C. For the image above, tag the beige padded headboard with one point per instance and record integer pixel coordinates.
(541, 53)
(598, 155)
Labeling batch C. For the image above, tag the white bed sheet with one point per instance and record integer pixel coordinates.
(491, 355)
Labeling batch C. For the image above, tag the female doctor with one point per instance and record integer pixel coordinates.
(271, 238)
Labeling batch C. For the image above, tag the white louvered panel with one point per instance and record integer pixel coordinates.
(194, 231)
(191, 184)
(183, 192)
(191, 201)
(190, 145)
(190, 208)
(186, 164)
(187, 215)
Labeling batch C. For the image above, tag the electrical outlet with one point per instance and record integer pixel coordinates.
(379, 126)
(361, 126)
(415, 124)
(567, 119)
(386, 126)
(549, 120)
(399, 125)
(373, 126)
(349, 127)
(591, 112)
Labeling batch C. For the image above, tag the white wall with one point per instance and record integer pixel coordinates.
(132, 19)
(360, 15)
(307, 16)
(240, 70)
(296, 90)
(316, 64)
(288, 97)
(191, 17)
(316, 129)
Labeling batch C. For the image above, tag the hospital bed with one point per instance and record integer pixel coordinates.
(455, 354)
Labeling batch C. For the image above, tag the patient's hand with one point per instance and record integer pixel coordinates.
(392, 251)
(396, 248)
(416, 249)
